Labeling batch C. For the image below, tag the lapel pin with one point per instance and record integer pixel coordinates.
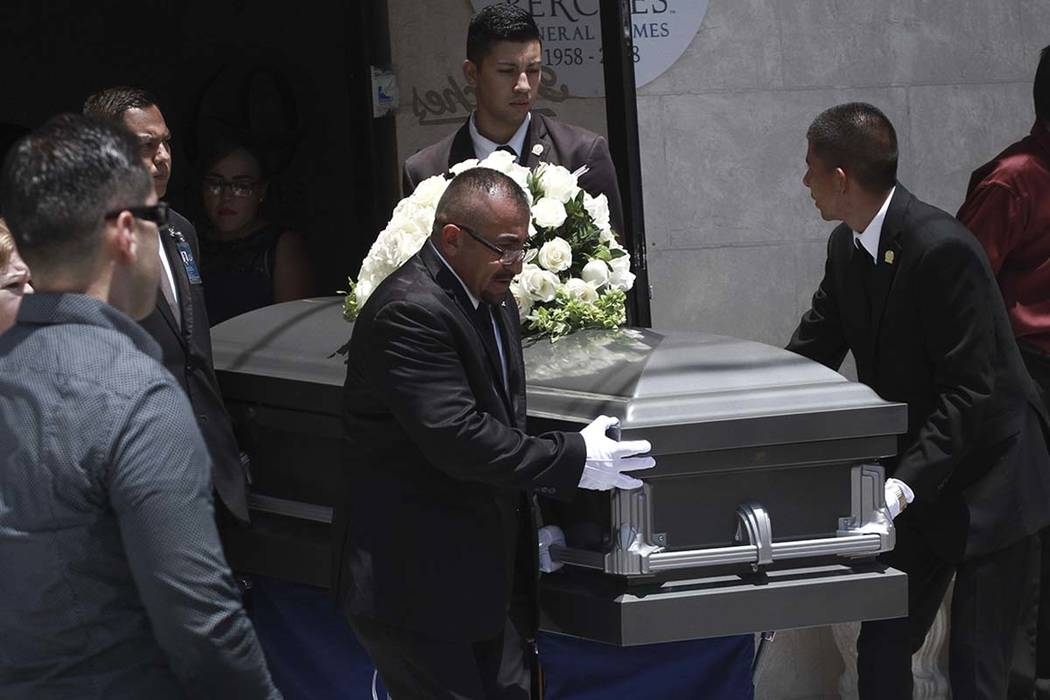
(889, 257)
(537, 149)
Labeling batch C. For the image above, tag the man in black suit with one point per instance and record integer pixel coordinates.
(503, 66)
(179, 323)
(438, 571)
(909, 291)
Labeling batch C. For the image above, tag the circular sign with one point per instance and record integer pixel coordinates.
(572, 38)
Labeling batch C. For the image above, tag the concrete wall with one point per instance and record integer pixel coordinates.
(735, 245)
(730, 227)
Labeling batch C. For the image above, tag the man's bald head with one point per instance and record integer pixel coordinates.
(481, 220)
(473, 191)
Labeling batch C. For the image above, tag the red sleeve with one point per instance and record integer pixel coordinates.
(993, 213)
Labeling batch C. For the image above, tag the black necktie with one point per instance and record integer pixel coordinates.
(865, 265)
(508, 149)
(484, 322)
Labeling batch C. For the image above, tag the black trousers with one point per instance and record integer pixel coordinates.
(988, 603)
(1030, 675)
(417, 667)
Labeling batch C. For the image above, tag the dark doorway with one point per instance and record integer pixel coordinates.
(298, 73)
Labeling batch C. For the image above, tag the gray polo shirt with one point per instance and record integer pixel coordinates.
(112, 580)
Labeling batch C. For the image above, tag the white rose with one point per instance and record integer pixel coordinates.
(520, 175)
(381, 253)
(578, 289)
(558, 183)
(555, 255)
(428, 192)
(507, 164)
(522, 298)
(621, 276)
(530, 255)
(621, 264)
(540, 285)
(598, 208)
(596, 272)
(607, 237)
(499, 160)
(366, 284)
(414, 223)
(621, 280)
(548, 213)
(463, 165)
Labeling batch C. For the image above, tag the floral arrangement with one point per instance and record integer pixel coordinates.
(575, 276)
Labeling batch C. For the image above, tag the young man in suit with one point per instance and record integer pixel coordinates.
(438, 570)
(1007, 208)
(503, 66)
(909, 291)
(179, 321)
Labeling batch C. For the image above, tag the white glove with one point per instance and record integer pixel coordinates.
(607, 458)
(898, 496)
(547, 536)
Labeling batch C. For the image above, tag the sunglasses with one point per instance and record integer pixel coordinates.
(158, 213)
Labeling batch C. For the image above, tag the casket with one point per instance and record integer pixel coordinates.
(765, 510)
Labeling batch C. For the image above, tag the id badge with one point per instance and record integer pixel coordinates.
(186, 253)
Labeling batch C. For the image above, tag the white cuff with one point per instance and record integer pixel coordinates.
(909, 495)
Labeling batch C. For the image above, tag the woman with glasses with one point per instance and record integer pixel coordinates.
(246, 261)
(14, 279)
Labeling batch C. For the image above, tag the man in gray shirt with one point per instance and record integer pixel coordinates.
(112, 580)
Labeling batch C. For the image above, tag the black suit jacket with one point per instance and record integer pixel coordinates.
(439, 527)
(933, 333)
(187, 355)
(563, 144)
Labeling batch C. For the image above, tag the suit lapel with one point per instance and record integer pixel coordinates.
(165, 311)
(178, 271)
(462, 147)
(888, 260)
(451, 286)
(537, 135)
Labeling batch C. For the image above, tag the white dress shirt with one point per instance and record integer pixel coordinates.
(484, 147)
(869, 237)
(166, 264)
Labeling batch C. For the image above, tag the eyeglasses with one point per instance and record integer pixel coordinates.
(238, 188)
(506, 257)
(159, 213)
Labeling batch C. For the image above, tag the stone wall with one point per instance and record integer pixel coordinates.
(730, 226)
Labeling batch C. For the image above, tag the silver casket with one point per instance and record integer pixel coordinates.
(764, 511)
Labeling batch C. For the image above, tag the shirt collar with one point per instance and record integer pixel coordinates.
(483, 147)
(54, 308)
(473, 299)
(869, 238)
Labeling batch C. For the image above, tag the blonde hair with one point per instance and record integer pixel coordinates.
(7, 243)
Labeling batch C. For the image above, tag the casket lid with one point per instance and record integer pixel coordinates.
(684, 391)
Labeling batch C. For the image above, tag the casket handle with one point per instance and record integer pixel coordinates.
(755, 528)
